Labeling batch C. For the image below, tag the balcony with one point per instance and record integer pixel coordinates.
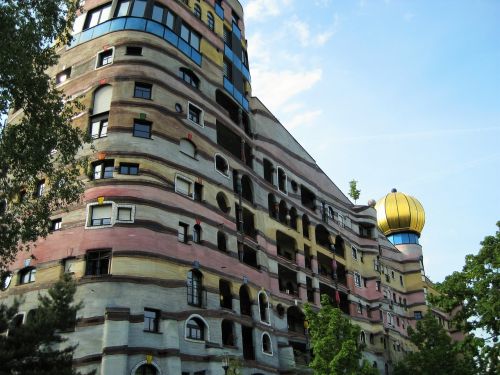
(286, 246)
(287, 280)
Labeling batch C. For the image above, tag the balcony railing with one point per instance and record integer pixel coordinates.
(137, 24)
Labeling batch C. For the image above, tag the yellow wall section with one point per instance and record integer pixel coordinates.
(211, 52)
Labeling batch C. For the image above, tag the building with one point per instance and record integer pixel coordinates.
(205, 226)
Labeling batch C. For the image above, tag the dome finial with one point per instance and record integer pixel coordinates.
(394, 190)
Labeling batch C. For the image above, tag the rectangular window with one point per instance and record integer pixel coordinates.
(56, 224)
(27, 276)
(124, 214)
(418, 315)
(377, 285)
(142, 129)
(103, 169)
(182, 232)
(195, 114)
(401, 279)
(100, 215)
(198, 192)
(138, 8)
(354, 253)
(228, 70)
(40, 188)
(190, 37)
(97, 262)
(99, 128)
(183, 186)
(63, 76)
(142, 90)
(133, 51)
(97, 16)
(122, 8)
(228, 40)
(129, 168)
(357, 279)
(151, 320)
(105, 58)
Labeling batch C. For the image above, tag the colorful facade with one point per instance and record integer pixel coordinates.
(205, 226)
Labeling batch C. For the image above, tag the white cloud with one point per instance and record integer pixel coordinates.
(259, 9)
(303, 119)
(306, 37)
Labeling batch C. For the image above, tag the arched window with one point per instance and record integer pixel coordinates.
(194, 288)
(283, 212)
(372, 338)
(197, 233)
(245, 302)
(305, 225)
(267, 347)
(197, 11)
(187, 147)
(322, 236)
(210, 21)
(225, 295)
(102, 99)
(221, 165)
(282, 180)
(263, 307)
(271, 205)
(146, 369)
(362, 337)
(268, 171)
(246, 188)
(227, 328)
(188, 76)
(222, 202)
(196, 328)
(293, 218)
(221, 241)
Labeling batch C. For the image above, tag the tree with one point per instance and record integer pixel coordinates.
(34, 347)
(436, 353)
(334, 341)
(354, 192)
(473, 298)
(38, 147)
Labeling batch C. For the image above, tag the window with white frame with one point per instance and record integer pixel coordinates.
(102, 99)
(108, 213)
(195, 114)
(267, 347)
(357, 279)
(100, 215)
(196, 329)
(187, 147)
(221, 165)
(184, 186)
(99, 128)
(354, 253)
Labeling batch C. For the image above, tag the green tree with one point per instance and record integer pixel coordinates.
(334, 341)
(39, 144)
(354, 192)
(473, 296)
(436, 353)
(36, 347)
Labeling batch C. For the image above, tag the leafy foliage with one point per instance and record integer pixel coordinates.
(334, 341)
(39, 142)
(436, 355)
(33, 348)
(354, 192)
(473, 295)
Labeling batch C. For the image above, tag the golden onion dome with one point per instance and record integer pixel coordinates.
(398, 212)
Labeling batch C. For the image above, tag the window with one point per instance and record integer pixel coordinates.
(133, 51)
(362, 337)
(138, 8)
(210, 21)
(227, 37)
(129, 168)
(187, 147)
(195, 329)
(359, 308)
(197, 11)
(392, 274)
(222, 202)
(263, 307)
(221, 165)
(282, 180)
(197, 233)
(124, 214)
(97, 262)
(182, 232)
(183, 186)
(357, 279)
(103, 169)
(97, 16)
(142, 129)
(142, 90)
(377, 285)
(221, 241)
(227, 68)
(189, 77)
(122, 8)
(5, 280)
(27, 275)
(266, 344)
(151, 320)
(56, 224)
(354, 253)
(190, 37)
(40, 188)
(198, 192)
(102, 99)
(417, 315)
(401, 279)
(195, 114)
(164, 16)
(227, 328)
(105, 58)
(194, 288)
(100, 215)
(99, 128)
(390, 319)
(63, 76)
(146, 369)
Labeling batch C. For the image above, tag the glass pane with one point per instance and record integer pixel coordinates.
(105, 14)
(94, 18)
(157, 13)
(195, 41)
(185, 33)
(122, 9)
(138, 8)
(170, 20)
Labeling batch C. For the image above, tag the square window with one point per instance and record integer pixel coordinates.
(105, 58)
(195, 114)
(103, 169)
(151, 320)
(100, 215)
(99, 128)
(27, 275)
(124, 214)
(183, 186)
(142, 90)
(418, 315)
(142, 129)
(133, 51)
(56, 224)
(129, 168)
(97, 262)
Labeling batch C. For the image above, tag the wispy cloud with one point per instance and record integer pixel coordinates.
(306, 37)
(260, 9)
(303, 119)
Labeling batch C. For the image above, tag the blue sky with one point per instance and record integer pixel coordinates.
(402, 94)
